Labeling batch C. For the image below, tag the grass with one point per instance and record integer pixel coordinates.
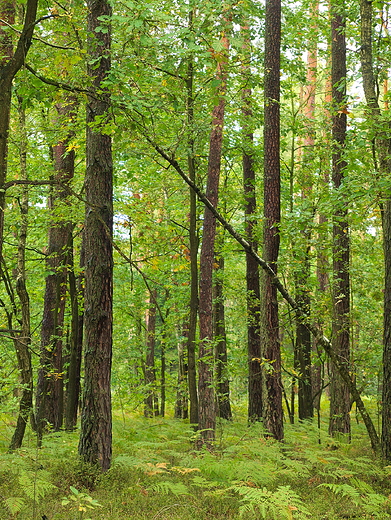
(157, 474)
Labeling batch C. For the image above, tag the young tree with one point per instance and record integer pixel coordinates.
(96, 422)
(206, 393)
(272, 409)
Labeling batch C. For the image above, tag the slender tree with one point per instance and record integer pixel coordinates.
(22, 341)
(339, 391)
(206, 391)
(272, 409)
(50, 404)
(252, 270)
(95, 445)
(381, 146)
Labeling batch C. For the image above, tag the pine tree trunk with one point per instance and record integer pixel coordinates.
(206, 392)
(193, 247)
(252, 269)
(339, 392)
(272, 409)
(95, 445)
(382, 146)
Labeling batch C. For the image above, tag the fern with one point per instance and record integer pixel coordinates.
(14, 505)
(282, 504)
(166, 487)
(35, 487)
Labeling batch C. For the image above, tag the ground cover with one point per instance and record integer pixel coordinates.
(157, 474)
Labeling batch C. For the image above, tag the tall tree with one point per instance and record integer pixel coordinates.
(273, 416)
(95, 445)
(381, 146)
(252, 270)
(193, 242)
(339, 392)
(22, 341)
(206, 392)
(50, 405)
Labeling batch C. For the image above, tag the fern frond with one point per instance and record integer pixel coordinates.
(166, 487)
(14, 504)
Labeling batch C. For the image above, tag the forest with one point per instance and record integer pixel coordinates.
(195, 259)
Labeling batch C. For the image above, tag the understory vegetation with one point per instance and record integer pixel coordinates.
(157, 474)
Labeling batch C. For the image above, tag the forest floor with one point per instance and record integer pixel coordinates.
(157, 474)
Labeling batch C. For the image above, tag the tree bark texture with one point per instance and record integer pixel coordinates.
(339, 392)
(252, 270)
(273, 416)
(206, 391)
(382, 144)
(95, 445)
(193, 247)
(222, 380)
(50, 387)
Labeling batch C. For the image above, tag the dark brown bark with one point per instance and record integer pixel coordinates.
(193, 247)
(149, 371)
(382, 147)
(252, 270)
(272, 410)
(206, 392)
(339, 392)
(76, 285)
(222, 380)
(50, 389)
(95, 445)
(181, 404)
(321, 340)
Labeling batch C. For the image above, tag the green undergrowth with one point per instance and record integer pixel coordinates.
(157, 474)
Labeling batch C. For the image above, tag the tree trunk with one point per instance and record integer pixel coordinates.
(95, 445)
(339, 392)
(193, 247)
(50, 389)
(382, 146)
(150, 374)
(206, 391)
(272, 409)
(252, 270)
(23, 341)
(76, 339)
(222, 380)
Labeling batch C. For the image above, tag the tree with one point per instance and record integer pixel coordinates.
(272, 410)
(206, 393)
(50, 405)
(252, 270)
(96, 423)
(381, 145)
(339, 392)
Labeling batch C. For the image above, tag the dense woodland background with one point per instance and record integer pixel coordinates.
(160, 164)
